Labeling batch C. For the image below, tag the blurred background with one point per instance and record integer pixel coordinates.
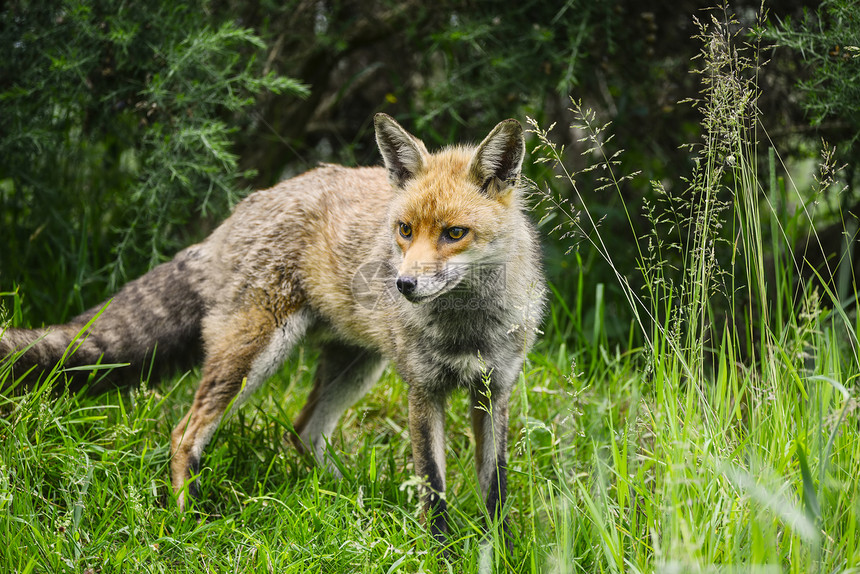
(128, 130)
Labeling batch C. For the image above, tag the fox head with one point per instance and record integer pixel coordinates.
(454, 211)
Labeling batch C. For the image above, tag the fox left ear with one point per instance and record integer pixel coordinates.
(497, 163)
(402, 152)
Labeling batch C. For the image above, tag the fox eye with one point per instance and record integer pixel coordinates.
(405, 230)
(455, 233)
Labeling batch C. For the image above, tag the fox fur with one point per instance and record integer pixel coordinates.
(450, 290)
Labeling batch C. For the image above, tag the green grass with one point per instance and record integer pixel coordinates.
(694, 444)
(86, 486)
(628, 469)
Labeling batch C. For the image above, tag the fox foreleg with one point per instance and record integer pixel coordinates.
(427, 431)
(490, 427)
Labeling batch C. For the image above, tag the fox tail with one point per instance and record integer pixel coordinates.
(152, 325)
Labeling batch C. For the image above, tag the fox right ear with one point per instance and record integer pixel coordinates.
(498, 160)
(402, 152)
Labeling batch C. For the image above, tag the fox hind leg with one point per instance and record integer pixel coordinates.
(243, 350)
(344, 374)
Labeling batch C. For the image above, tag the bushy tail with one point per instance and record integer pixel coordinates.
(153, 323)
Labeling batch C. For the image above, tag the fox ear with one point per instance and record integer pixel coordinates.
(402, 152)
(498, 160)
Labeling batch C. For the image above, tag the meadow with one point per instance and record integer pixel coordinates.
(721, 433)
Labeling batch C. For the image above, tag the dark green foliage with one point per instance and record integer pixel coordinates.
(116, 129)
(491, 61)
(127, 131)
(829, 42)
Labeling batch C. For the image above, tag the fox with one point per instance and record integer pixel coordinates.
(429, 263)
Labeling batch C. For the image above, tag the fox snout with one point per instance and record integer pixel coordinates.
(407, 285)
(428, 283)
(414, 288)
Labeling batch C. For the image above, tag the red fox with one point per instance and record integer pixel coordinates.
(431, 264)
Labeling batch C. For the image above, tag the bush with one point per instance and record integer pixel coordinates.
(116, 130)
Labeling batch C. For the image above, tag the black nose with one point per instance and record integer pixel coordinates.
(406, 284)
